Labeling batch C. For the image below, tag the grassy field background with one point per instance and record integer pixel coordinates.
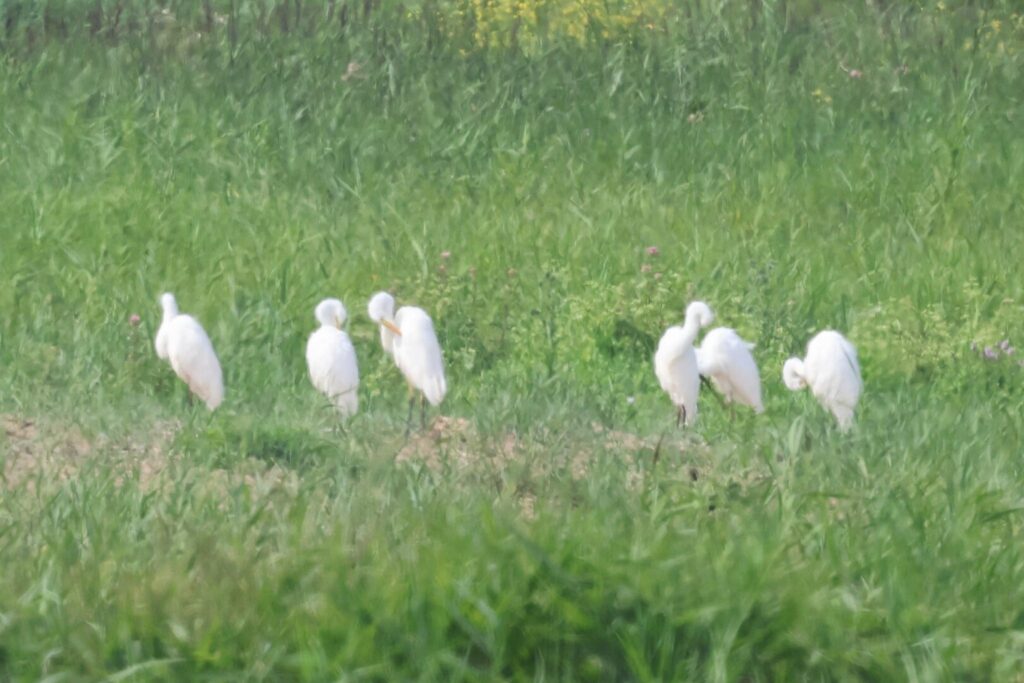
(797, 165)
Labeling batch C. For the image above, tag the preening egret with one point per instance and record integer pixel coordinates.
(675, 363)
(182, 341)
(831, 371)
(332, 359)
(726, 359)
(408, 337)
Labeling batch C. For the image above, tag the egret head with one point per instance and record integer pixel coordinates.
(793, 374)
(331, 313)
(382, 311)
(169, 304)
(700, 312)
(381, 307)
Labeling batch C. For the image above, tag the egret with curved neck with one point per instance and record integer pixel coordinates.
(408, 337)
(675, 362)
(832, 371)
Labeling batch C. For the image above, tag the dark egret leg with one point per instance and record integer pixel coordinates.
(339, 425)
(657, 450)
(706, 383)
(423, 412)
(680, 417)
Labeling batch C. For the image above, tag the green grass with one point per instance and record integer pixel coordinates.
(141, 539)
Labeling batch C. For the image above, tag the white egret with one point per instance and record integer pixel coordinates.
(832, 372)
(182, 341)
(408, 337)
(726, 359)
(675, 363)
(332, 359)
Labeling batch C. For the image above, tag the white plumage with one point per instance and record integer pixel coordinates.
(183, 342)
(331, 358)
(726, 360)
(832, 372)
(675, 363)
(409, 337)
(381, 310)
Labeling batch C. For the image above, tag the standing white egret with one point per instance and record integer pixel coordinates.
(726, 359)
(675, 363)
(332, 359)
(408, 336)
(832, 372)
(183, 341)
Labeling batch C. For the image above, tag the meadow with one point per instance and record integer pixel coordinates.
(508, 166)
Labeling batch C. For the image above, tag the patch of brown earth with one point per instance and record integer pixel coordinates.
(45, 452)
(455, 442)
(147, 459)
(33, 452)
(41, 451)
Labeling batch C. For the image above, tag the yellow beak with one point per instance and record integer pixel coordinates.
(391, 326)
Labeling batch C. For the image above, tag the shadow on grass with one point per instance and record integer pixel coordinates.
(225, 444)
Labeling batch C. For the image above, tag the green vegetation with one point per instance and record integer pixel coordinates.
(798, 165)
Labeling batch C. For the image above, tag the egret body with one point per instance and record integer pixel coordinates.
(331, 358)
(183, 342)
(832, 372)
(408, 337)
(725, 359)
(675, 362)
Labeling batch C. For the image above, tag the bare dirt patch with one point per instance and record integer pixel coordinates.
(38, 450)
(452, 444)
(34, 450)
(455, 442)
(46, 452)
(146, 458)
